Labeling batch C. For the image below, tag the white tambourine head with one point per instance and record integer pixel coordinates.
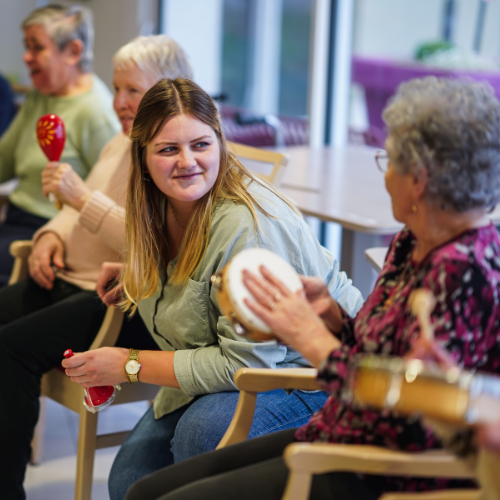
(251, 259)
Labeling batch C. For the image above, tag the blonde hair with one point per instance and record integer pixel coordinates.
(146, 226)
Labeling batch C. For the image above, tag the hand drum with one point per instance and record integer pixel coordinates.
(231, 292)
(51, 137)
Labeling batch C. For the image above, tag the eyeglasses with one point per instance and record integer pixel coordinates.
(382, 160)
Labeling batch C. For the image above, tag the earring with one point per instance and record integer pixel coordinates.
(414, 208)
(146, 177)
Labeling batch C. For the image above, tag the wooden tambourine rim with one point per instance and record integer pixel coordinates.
(228, 306)
(437, 394)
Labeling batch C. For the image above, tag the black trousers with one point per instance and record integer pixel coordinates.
(251, 470)
(36, 327)
(19, 225)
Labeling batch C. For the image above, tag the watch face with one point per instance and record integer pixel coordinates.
(132, 366)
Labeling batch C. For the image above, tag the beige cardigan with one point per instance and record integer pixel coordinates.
(97, 233)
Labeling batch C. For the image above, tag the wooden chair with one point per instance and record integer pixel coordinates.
(267, 164)
(306, 459)
(57, 386)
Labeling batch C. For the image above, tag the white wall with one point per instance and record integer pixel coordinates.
(197, 26)
(116, 22)
(12, 13)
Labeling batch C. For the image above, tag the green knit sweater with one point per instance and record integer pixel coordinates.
(90, 123)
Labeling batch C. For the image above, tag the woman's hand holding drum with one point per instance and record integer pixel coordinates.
(290, 316)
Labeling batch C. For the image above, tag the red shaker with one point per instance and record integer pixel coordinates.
(96, 398)
(51, 137)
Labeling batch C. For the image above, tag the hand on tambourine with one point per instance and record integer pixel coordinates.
(290, 316)
(47, 253)
(65, 184)
(108, 286)
(430, 350)
(103, 366)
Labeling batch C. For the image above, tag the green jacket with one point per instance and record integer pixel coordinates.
(187, 318)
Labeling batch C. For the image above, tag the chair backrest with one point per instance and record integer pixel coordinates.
(57, 386)
(266, 164)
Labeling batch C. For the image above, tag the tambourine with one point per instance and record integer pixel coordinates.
(231, 291)
(414, 387)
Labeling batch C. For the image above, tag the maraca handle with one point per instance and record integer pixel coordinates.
(53, 199)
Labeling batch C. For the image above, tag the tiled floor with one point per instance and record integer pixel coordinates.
(54, 478)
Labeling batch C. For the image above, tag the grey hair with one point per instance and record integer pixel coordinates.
(157, 54)
(65, 24)
(452, 129)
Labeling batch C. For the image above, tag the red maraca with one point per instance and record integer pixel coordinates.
(96, 398)
(51, 137)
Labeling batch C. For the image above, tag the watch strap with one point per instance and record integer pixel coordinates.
(134, 354)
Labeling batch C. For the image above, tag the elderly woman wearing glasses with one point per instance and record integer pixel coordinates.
(442, 171)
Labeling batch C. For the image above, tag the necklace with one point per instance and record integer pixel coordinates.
(175, 217)
(405, 273)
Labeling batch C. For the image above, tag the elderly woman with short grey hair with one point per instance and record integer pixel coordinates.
(58, 53)
(442, 171)
(57, 307)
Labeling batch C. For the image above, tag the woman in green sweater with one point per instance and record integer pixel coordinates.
(59, 56)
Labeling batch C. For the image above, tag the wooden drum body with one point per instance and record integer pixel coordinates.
(231, 292)
(412, 386)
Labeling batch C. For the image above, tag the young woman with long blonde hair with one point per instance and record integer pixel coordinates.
(191, 207)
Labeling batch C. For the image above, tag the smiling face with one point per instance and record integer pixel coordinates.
(183, 159)
(130, 85)
(48, 65)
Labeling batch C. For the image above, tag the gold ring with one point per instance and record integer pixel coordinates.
(277, 297)
(272, 305)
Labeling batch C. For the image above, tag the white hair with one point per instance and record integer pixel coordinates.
(158, 54)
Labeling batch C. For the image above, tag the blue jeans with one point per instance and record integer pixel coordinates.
(198, 427)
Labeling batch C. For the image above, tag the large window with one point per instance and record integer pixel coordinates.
(295, 50)
(291, 32)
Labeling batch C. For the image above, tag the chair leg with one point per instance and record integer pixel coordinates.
(87, 435)
(38, 435)
(298, 486)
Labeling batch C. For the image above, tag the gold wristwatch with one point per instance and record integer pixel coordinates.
(132, 366)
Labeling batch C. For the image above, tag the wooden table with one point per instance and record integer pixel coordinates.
(344, 185)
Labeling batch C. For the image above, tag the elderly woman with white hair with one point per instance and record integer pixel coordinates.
(58, 53)
(57, 307)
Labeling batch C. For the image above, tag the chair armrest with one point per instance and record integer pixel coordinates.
(265, 379)
(318, 458)
(20, 250)
(250, 381)
(435, 495)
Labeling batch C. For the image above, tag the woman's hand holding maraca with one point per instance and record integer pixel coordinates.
(67, 186)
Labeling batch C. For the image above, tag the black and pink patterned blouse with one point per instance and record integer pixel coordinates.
(464, 276)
